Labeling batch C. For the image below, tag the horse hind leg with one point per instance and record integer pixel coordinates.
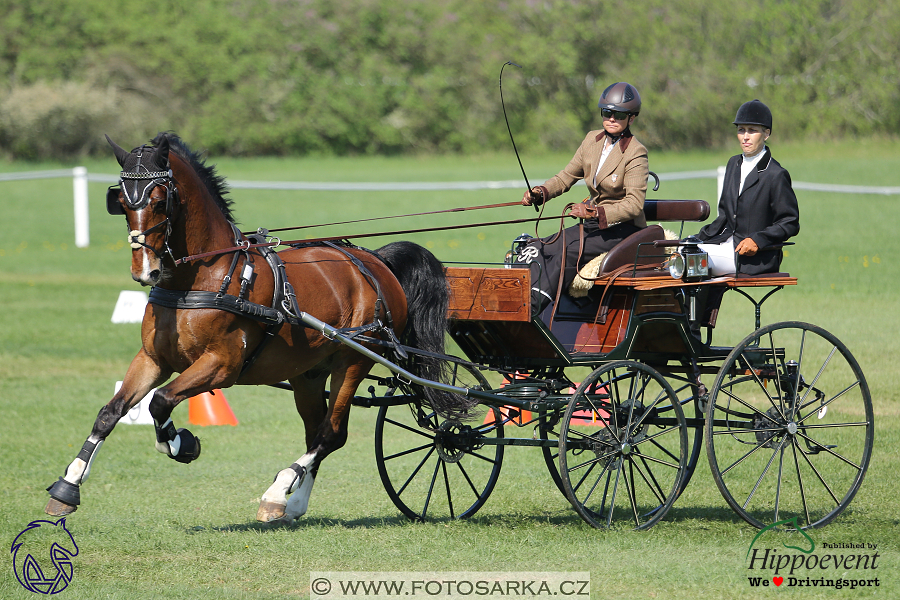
(288, 496)
(331, 434)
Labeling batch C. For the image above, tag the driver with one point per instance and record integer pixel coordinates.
(758, 207)
(614, 166)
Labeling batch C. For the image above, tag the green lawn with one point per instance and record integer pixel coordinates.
(150, 527)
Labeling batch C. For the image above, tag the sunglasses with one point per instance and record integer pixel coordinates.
(618, 114)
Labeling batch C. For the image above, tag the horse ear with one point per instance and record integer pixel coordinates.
(121, 154)
(162, 153)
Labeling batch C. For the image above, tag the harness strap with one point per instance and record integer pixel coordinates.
(192, 299)
(380, 304)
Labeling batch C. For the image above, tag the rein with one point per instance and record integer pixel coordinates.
(433, 212)
(334, 238)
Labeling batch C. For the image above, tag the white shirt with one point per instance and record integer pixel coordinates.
(749, 164)
(607, 148)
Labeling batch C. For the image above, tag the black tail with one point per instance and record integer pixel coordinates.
(422, 278)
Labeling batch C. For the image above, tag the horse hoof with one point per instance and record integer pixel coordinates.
(56, 508)
(270, 511)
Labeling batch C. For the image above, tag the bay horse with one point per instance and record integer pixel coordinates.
(217, 329)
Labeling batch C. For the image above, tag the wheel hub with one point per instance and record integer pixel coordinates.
(453, 440)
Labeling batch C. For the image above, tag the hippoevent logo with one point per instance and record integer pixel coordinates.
(802, 566)
(42, 556)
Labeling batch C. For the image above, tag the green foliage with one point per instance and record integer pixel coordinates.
(249, 77)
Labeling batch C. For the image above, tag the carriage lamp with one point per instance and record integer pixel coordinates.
(689, 263)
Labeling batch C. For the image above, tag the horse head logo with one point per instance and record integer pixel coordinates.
(31, 559)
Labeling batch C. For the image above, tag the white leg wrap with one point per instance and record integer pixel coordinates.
(287, 482)
(79, 469)
(298, 503)
(278, 491)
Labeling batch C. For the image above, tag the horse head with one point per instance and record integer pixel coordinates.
(147, 196)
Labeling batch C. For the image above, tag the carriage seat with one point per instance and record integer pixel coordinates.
(627, 251)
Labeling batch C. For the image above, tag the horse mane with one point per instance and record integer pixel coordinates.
(214, 182)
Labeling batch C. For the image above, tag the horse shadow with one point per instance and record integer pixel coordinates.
(560, 518)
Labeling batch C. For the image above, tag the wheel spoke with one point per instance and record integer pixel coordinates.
(629, 487)
(778, 487)
(777, 377)
(612, 501)
(654, 487)
(462, 470)
(663, 448)
(406, 452)
(819, 475)
(750, 406)
(800, 484)
(766, 470)
(431, 487)
(410, 429)
(829, 451)
(484, 458)
(593, 461)
(838, 395)
(415, 471)
(762, 386)
(585, 476)
(819, 374)
(447, 487)
(748, 454)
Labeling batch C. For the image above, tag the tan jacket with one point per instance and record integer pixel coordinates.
(621, 184)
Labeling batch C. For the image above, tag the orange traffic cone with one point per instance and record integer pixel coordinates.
(210, 408)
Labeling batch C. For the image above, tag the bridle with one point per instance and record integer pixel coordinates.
(137, 197)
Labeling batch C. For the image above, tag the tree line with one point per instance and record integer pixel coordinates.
(295, 77)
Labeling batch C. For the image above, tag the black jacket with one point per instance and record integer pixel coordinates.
(766, 211)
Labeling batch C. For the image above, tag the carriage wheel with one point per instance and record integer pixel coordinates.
(438, 468)
(789, 426)
(623, 446)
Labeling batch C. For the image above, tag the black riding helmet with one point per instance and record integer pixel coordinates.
(621, 96)
(754, 113)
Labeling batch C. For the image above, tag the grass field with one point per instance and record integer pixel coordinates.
(151, 528)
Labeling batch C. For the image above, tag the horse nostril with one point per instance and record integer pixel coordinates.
(154, 275)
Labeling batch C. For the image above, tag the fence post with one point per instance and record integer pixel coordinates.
(80, 184)
(720, 183)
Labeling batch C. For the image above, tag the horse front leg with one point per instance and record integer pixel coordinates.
(143, 375)
(207, 373)
(288, 496)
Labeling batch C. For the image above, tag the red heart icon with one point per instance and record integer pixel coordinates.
(778, 580)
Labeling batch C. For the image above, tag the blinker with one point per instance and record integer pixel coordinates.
(112, 201)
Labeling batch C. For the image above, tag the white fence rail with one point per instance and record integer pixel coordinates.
(80, 179)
